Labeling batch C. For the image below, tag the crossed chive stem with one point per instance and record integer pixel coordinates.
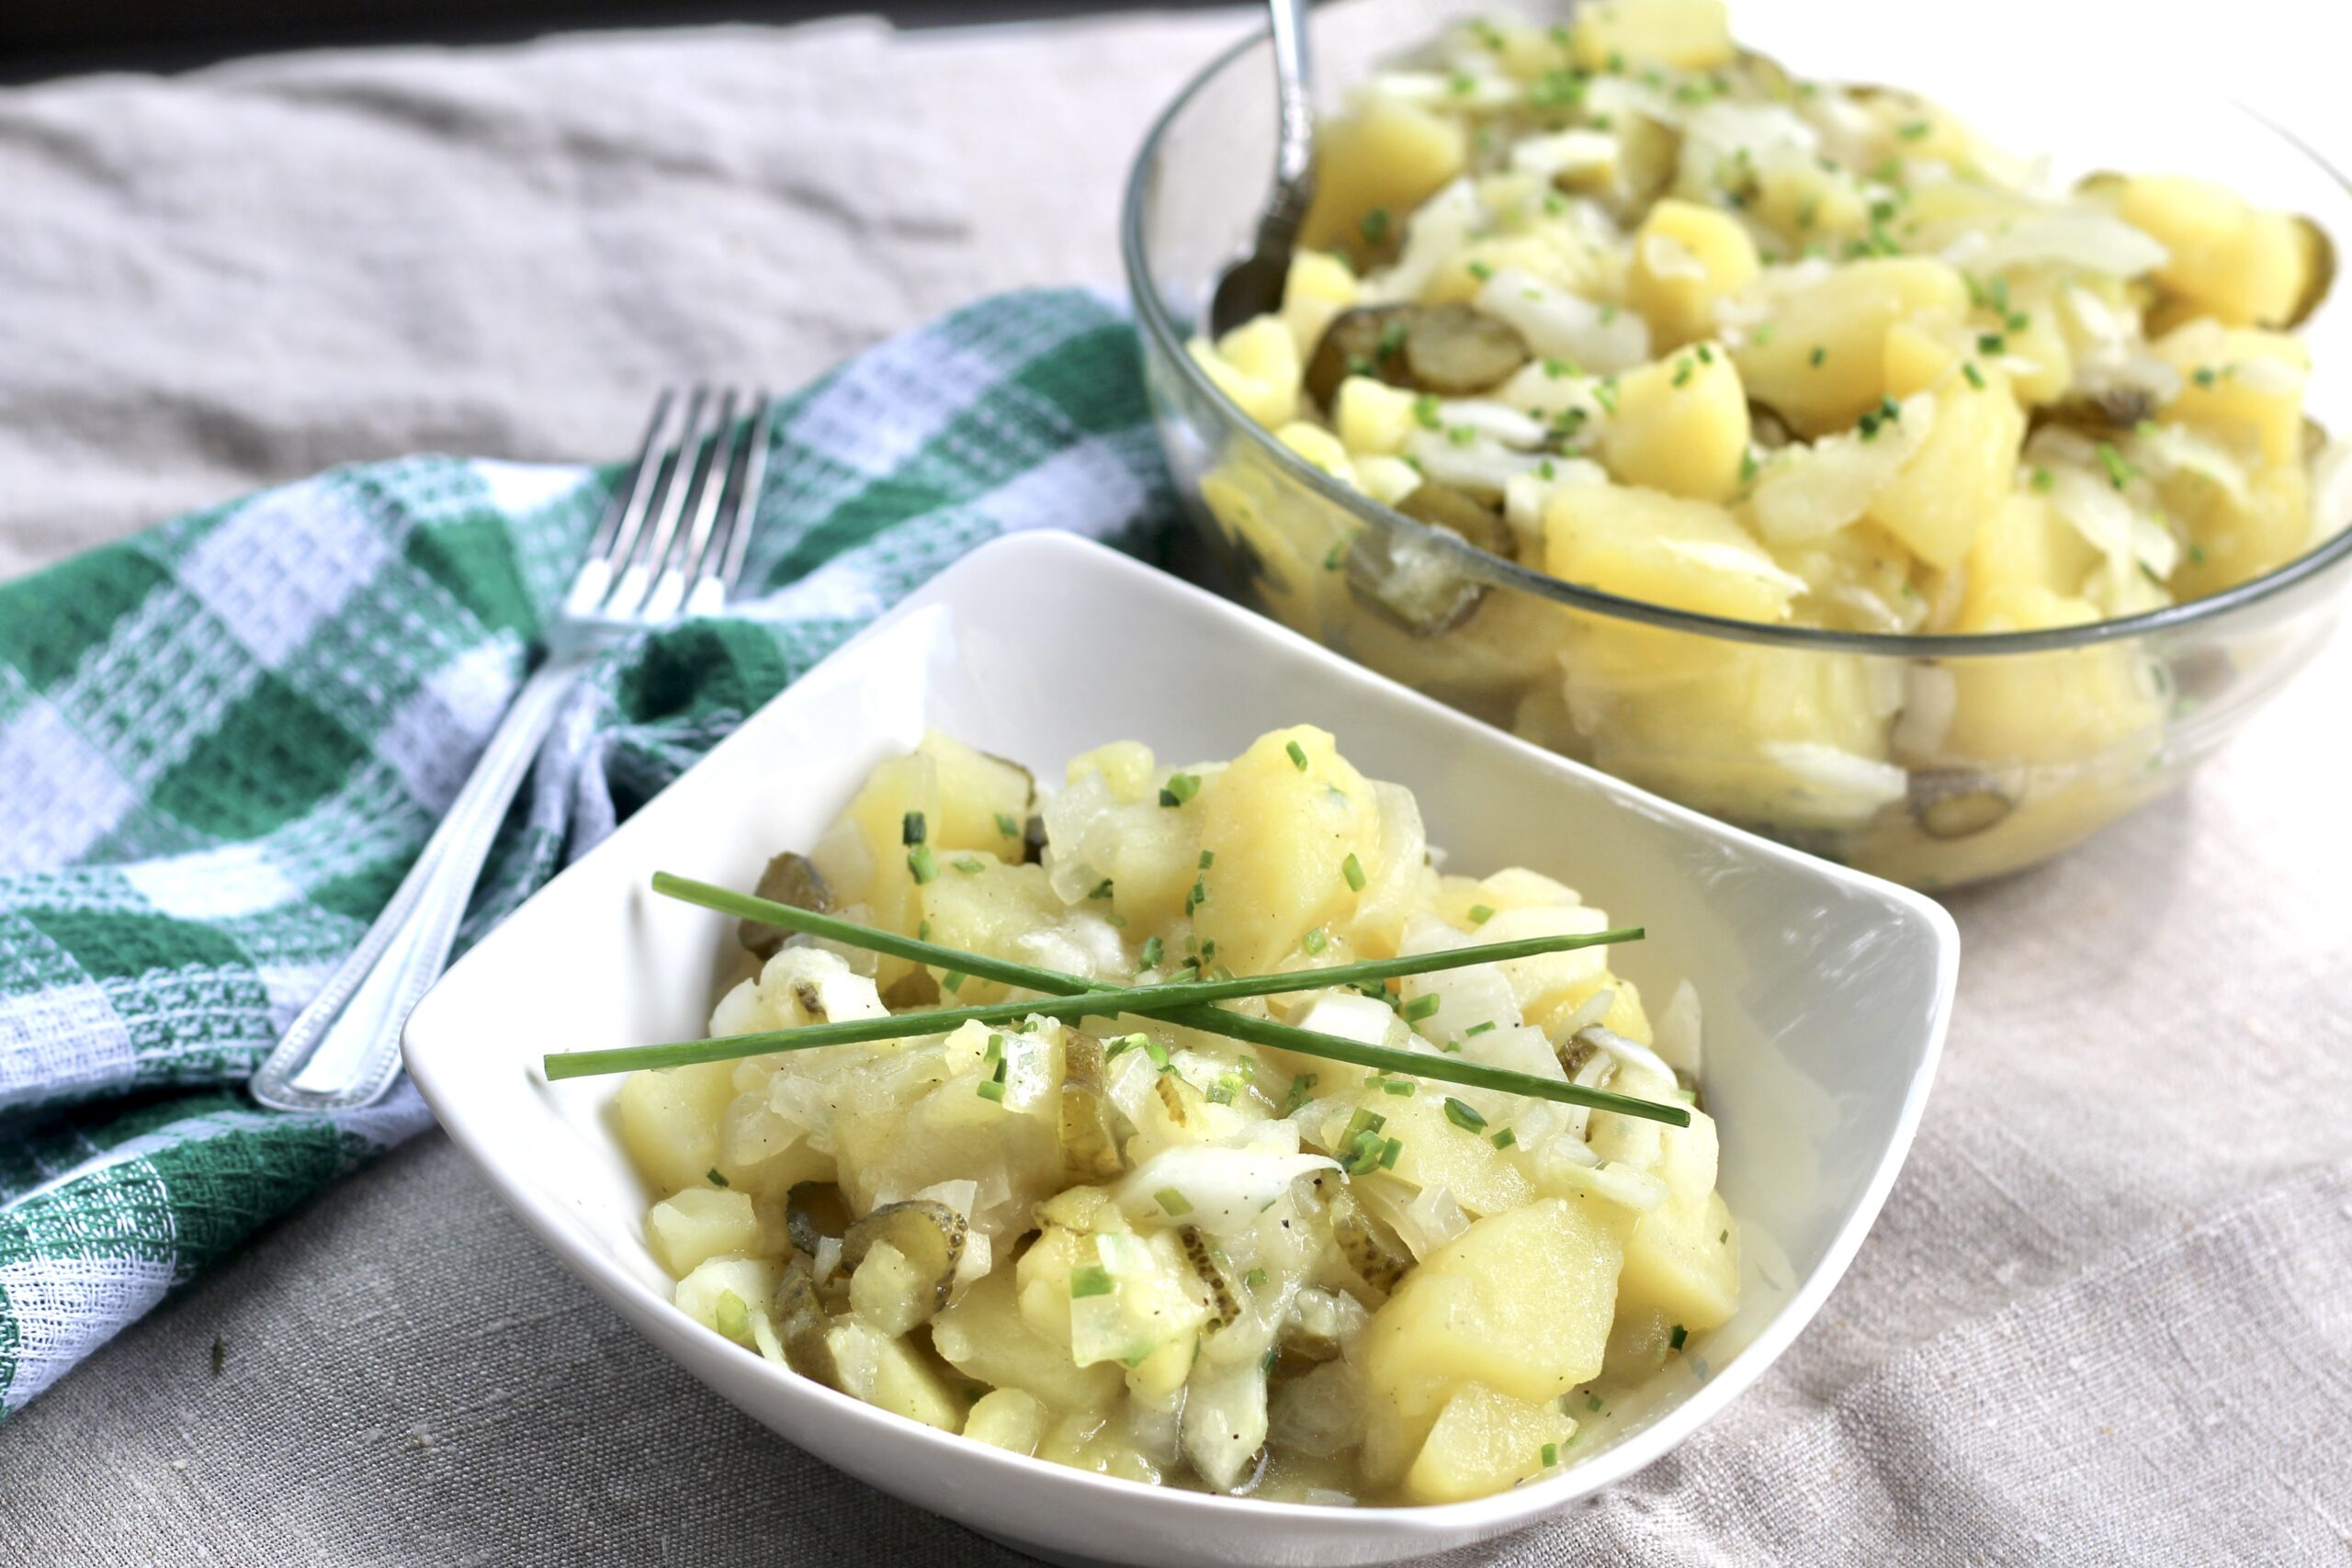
(1187, 1003)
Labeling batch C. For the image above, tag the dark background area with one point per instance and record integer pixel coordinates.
(55, 37)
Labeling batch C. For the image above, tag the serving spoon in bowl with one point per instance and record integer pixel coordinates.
(1253, 286)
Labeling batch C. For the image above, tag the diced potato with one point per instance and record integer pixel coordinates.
(1690, 35)
(1321, 449)
(1520, 1301)
(1484, 1442)
(1808, 203)
(980, 798)
(892, 1374)
(2242, 265)
(1682, 1260)
(1283, 838)
(1317, 288)
(1680, 426)
(987, 910)
(669, 1122)
(1961, 474)
(898, 789)
(1007, 1418)
(2071, 706)
(2235, 538)
(1257, 366)
(1643, 543)
(1435, 1152)
(985, 1335)
(1125, 765)
(2024, 543)
(721, 1293)
(1918, 359)
(1625, 1015)
(1373, 416)
(700, 1223)
(888, 1292)
(2243, 385)
(1687, 259)
(1389, 158)
(1825, 362)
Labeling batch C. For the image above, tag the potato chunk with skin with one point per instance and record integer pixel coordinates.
(1389, 157)
(1520, 1301)
(1825, 363)
(1687, 259)
(1484, 1442)
(1680, 426)
(1645, 544)
(1282, 837)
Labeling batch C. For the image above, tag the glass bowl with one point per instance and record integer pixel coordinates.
(2005, 749)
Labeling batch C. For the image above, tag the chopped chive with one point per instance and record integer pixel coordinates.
(1353, 869)
(1298, 755)
(920, 865)
(1477, 1029)
(2044, 479)
(1337, 555)
(1975, 376)
(1722, 1235)
(1373, 225)
(1388, 1152)
(1397, 1086)
(969, 864)
(1158, 1053)
(1748, 466)
(715, 1180)
(1551, 1455)
(2118, 473)
(2205, 376)
(1504, 1139)
(1208, 859)
(1992, 343)
(1674, 1340)
(1198, 895)
(1313, 941)
(989, 1088)
(1151, 952)
(1180, 788)
(1604, 392)
(1481, 913)
(1089, 1279)
(1173, 1202)
(1820, 353)
(1592, 1401)
(1425, 412)
(1681, 372)
(1480, 271)
(1913, 130)
(922, 931)
(1420, 1007)
(910, 828)
(1007, 825)
(953, 981)
(1300, 1088)
(1763, 334)
(1255, 1278)
(1101, 889)
(1464, 1116)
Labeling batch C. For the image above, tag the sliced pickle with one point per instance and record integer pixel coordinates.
(812, 1211)
(801, 1322)
(1088, 1135)
(1224, 1305)
(2319, 272)
(1451, 351)
(1954, 804)
(927, 1233)
(1373, 1251)
(790, 878)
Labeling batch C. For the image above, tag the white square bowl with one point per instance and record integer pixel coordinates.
(1825, 993)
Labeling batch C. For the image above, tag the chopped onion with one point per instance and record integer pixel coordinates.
(1845, 782)
(1226, 1189)
(2076, 237)
(1678, 1032)
(1564, 325)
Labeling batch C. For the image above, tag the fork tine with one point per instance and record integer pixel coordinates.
(701, 510)
(723, 564)
(626, 601)
(623, 515)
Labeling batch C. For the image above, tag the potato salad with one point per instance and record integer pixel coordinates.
(1155, 1252)
(1641, 311)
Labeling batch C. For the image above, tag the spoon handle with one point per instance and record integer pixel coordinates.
(1294, 150)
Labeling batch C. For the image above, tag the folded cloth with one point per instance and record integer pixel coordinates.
(222, 742)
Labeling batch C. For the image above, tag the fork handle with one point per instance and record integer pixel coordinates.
(343, 1049)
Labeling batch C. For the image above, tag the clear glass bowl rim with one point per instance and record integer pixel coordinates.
(1169, 338)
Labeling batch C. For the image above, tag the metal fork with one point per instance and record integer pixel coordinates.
(670, 545)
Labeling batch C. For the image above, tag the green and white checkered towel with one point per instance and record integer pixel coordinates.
(222, 742)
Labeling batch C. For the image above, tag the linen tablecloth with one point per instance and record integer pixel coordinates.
(2104, 1317)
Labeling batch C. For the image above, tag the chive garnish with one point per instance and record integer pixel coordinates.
(1820, 353)
(1481, 913)
(1070, 997)
(1180, 788)
(1173, 1202)
(1504, 1139)
(1353, 869)
(989, 1088)
(1255, 1278)
(1975, 376)
(1101, 889)
(1420, 1007)
(1477, 1029)
(1674, 1340)
(1007, 825)
(1464, 1116)
(1298, 755)
(1089, 1279)
(1151, 952)
(1551, 1455)
(920, 865)
(1313, 941)
(910, 828)
(969, 865)
(715, 1180)
(1397, 1086)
